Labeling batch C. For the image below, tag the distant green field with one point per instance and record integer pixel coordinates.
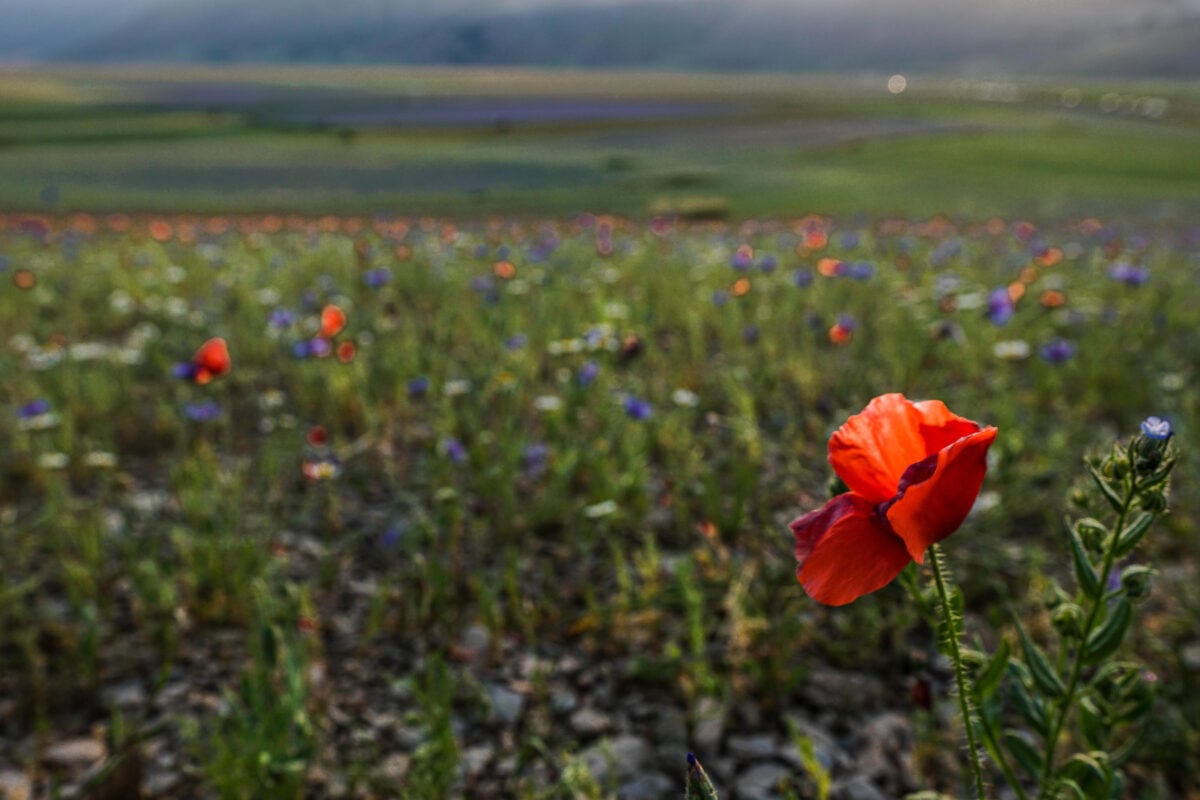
(527, 142)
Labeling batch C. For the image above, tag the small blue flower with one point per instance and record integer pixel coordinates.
(281, 318)
(453, 449)
(1056, 351)
(768, 263)
(418, 387)
(742, 259)
(637, 408)
(516, 341)
(587, 374)
(1156, 428)
(203, 411)
(534, 458)
(375, 278)
(860, 270)
(750, 334)
(392, 536)
(1129, 274)
(300, 350)
(1000, 307)
(720, 297)
(34, 408)
(849, 240)
(802, 277)
(184, 370)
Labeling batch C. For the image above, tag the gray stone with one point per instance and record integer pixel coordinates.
(14, 786)
(475, 758)
(829, 688)
(856, 788)
(708, 725)
(588, 722)
(563, 701)
(75, 753)
(752, 747)
(507, 705)
(648, 786)
(126, 696)
(670, 726)
(886, 752)
(621, 756)
(395, 767)
(762, 781)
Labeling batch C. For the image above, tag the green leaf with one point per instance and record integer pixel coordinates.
(1023, 752)
(1044, 676)
(1033, 710)
(1105, 640)
(1128, 538)
(1091, 721)
(989, 678)
(1085, 573)
(1110, 494)
(1075, 789)
(1089, 772)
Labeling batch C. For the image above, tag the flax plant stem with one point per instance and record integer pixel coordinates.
(960, 673)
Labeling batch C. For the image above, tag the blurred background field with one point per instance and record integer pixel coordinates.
(523, 141)
(611, 275)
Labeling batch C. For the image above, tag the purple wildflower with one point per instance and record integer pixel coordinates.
(1000, 307)
(1058, 350)
(720, 297)
(849, 240)
(742, 259)
(184, 370)
(587, 374)
(768, 263)
(637, 408)
(453, 449)
(281, 318)
(860, 270)
(1156, 428)
(319, 347)
(203, 411)
(418, 386)
(534, 458)
(802, 277)
(516, 341)
(34, 408)
(375, 278)
(1129, 274)
(750, 334)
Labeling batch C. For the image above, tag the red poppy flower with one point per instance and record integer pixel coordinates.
(913, 470)
(211, 360)
(333, 319)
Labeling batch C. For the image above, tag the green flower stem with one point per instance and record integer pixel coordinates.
(994, 749)
(960, 673)
(1064, 706)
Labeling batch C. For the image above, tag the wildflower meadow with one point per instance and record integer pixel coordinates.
(402, 506)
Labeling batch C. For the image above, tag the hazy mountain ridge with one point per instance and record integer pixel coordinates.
(1150, 37)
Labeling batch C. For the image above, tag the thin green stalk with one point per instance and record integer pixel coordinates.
(960, 673)
(1064, 706)
(993, 742)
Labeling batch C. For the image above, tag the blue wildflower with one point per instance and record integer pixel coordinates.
(281, 318)
(1129, 274)
(516, 341)
(453, 449)
(587, 374)
(802, 277)
(1000, 307)
(1156, 428)
(203, 411)
(375, 278)
(720, 297)
(1058, 350)
(637, 408)
(418, 386)
(534, 458)
(34, 408)
(768, 263)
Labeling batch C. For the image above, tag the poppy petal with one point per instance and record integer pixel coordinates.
(935, 496)
(871, 451)
(940, 427)
(212, 357)
(844, 551)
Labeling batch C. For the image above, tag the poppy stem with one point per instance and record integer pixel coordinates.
(951, 629)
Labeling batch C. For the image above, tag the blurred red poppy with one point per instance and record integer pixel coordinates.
(211, 360)
(914, 471)
(333, 319)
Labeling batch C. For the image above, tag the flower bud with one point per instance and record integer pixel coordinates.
(1067, 620)
(1153, 500)
(1120, 467)
(1135, 581)
(1091, 532)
